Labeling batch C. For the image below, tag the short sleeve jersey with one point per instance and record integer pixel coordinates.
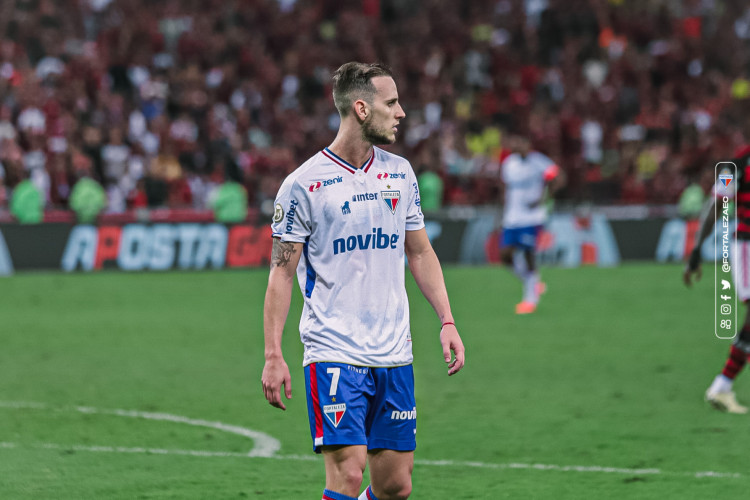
(352, 222)
(524, 180)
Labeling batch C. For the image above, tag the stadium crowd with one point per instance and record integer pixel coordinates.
(161, 101)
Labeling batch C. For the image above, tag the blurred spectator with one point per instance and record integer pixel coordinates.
(430, 190)
(87, 200)
(27, 203)
(625, 96)
(3, 188)
(691, 201)
(230, 203)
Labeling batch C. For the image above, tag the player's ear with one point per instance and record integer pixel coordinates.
(361, 109)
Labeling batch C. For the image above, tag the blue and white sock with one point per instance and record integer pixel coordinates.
(368, 494)
(332, 495)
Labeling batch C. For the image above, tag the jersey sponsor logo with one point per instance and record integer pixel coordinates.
(404, 415)
(345, 210)
(391, 175)
(391, 199)
(290, 214)
(326, 182)
(335, 413)
(371, 241)
(278, 213)
(365, 197)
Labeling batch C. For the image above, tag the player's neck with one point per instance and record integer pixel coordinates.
(350, 146)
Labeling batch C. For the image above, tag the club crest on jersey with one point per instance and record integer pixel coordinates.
(726, 179)
(335, 413)
(391, 199)
(345, 210)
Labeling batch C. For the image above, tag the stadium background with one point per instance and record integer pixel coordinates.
(169, 106)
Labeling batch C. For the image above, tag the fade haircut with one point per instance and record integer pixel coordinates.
(353, 81)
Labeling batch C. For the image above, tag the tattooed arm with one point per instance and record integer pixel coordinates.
(284, 259)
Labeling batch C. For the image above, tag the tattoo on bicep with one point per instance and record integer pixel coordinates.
(281, 253)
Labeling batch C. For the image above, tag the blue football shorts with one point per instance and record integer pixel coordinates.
(520, 237)
(357, 405)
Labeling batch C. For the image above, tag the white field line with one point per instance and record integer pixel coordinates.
(435, 463)
(265, 445)
(271, 446)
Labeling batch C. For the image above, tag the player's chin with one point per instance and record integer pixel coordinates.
(384, 140)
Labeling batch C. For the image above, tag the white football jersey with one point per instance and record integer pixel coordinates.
(352, 222)
(524, 180)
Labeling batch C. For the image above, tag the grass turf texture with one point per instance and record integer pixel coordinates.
(609, 372)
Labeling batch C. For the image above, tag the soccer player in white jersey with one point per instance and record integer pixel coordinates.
(343, 223)
(527, 176)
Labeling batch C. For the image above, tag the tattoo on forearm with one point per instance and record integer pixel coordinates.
(281, 253)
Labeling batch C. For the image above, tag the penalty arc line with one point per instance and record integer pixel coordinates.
(267, 447)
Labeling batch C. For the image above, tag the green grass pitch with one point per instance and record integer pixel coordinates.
(597, 395)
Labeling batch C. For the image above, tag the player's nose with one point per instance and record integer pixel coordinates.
(400, 112)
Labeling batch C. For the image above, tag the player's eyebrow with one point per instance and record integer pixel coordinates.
(392, 101)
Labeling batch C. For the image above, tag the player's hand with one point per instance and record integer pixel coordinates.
(451, 341)
(275, 375)
(688, 273)
(693, 267)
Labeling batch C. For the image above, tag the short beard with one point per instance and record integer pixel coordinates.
(374, 135)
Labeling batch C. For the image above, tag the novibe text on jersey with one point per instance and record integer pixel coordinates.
(375, 240)
(290, 215)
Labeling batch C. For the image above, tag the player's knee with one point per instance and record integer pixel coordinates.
(396, 489)
(352, 477)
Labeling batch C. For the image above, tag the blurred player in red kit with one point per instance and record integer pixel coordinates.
(720, 394)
